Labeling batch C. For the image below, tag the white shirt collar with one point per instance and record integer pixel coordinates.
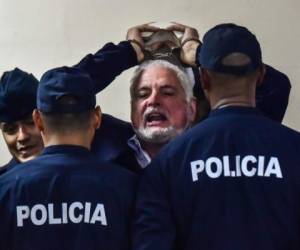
(141, 155)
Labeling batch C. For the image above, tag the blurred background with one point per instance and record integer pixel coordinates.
(37, 35)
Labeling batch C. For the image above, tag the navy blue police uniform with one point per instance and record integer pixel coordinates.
(66, 199)
(17, 100)
(13, 162)
(230, 182)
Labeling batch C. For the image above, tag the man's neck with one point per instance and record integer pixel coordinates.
(66, 140)
(228, 103)
(235, 93)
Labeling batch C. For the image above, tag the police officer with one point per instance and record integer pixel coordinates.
(17, 101)
(232, 181)
(65, 199)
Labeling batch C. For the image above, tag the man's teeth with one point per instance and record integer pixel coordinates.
(156, 117)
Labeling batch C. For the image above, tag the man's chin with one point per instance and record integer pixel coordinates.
(156, 135)
(24, 157)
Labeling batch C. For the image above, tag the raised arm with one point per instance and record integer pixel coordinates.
(107, 63)
(272, 96)
(111, 60)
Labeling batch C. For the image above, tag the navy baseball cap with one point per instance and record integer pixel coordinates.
(17, 95)
(63, 82)
(228, 39)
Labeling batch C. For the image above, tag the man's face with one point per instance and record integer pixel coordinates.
(160, 110)
(23, 139)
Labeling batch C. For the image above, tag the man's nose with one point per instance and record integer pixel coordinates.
(154, 99)
(22, 133)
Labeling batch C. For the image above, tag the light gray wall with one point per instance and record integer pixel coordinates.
(37, 35)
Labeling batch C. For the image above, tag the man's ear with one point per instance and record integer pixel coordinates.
(205, 80)
(193, 110)
(261, 76)
(97, 117)
(36, 116)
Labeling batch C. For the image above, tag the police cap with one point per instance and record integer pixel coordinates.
(17, 95)
(65, 82)
(227, 39)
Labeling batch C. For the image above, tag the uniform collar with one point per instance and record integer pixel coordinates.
(234, 110)
(12, 163)
(65, 149)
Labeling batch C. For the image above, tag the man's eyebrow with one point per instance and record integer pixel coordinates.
(142, 88)
(167, 86)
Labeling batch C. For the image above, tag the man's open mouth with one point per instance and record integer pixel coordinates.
(155, 118)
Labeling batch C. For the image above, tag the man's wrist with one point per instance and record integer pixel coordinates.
(138, 48)
(189, 50)
(189, 41)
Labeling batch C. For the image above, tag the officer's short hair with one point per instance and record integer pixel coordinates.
(62, 122)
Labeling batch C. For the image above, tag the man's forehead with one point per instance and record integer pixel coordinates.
(158, 76)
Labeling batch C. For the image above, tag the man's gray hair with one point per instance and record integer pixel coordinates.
(180, 73)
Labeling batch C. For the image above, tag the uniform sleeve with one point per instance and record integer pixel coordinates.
(153, 227)
(272, 96)
(106, 64)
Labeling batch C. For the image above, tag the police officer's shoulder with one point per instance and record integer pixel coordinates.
(43, 165)
(11, 173)
(60, 163)
(13, 162)
(9, 178)
(117, 173)
(40, 169)
(273, 126)
(286, 132)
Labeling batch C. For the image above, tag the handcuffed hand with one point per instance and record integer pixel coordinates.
(134, 35)
(189, 42)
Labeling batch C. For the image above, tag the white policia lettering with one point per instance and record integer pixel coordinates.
(75, 212)
(248, 166)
